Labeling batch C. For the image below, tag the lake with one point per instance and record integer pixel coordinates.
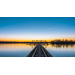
(22, 50)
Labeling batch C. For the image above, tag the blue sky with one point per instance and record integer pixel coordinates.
(37, 27)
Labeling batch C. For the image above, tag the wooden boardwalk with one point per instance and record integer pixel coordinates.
(39, 51)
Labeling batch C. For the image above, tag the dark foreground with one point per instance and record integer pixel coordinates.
(39, 51)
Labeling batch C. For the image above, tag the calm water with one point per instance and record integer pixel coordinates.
(22, 50)
(15, 50)
(61, 50)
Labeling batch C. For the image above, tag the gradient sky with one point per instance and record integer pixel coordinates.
(35, 28)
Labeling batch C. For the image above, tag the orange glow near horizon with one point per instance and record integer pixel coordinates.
(29, 40)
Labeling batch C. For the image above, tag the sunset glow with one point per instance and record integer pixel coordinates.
(24, 29)
(37, 36)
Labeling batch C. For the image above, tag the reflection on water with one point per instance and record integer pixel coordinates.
(15, 50)
(61, 50)
(59, 45)
(22, 50)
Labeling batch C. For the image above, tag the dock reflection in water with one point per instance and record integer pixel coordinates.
(22, 50)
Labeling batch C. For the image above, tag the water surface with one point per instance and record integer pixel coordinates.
(58, 50)
(15, 50)
(22, 50)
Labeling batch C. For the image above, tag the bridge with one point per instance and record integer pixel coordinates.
(39, 51)
(38, 40)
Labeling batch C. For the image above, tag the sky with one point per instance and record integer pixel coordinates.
(37, 28)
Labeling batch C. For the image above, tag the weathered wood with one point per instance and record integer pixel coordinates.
(39, 51)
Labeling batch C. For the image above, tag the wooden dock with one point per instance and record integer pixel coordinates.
(39, 51)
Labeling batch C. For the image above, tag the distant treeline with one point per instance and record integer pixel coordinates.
(62, 42)
(53, 42)
(12, 42)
